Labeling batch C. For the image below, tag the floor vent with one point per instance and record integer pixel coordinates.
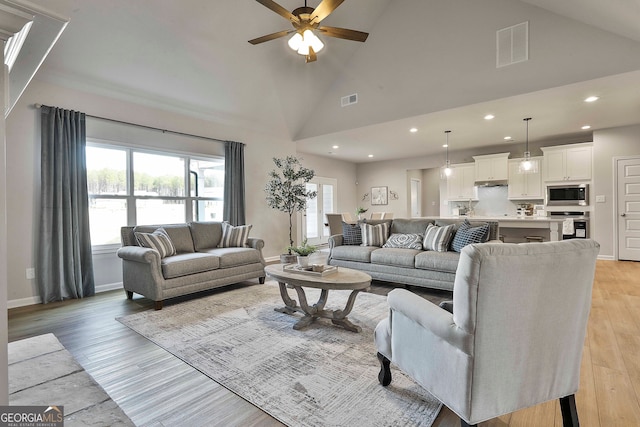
(349, 100)
(512, 45)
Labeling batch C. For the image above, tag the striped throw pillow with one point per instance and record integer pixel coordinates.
(234, 237)
(467, 235)
(437, 238)
(158, 240)
(351, 234)
(374, 235)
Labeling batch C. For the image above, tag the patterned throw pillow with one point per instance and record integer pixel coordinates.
(158, 240)
(467, 235)
(404, 241)
(374, 235)
(351, 234)
(438, 238)
(234, 237)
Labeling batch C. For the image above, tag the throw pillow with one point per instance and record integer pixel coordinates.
(438, 238)
(351, 234)
(404, 241)
(158, 240)
(374, 235)
(467, 235)
(234, 237)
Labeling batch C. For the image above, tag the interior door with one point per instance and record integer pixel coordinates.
(628, 207)
(416, 200)
(314, 218)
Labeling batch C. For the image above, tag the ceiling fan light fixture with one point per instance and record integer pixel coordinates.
(312, 40)
(295, 42)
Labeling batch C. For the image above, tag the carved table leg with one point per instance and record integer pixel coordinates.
(309, 312)
(291, 306)
(340, 316)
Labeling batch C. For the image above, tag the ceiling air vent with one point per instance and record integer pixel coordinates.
(512, 45)
(349, 100)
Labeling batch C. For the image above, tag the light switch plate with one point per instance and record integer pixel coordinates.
(601, 199)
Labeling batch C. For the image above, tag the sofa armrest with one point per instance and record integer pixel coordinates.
(431, 317)
(335, 240)
(255, 243)
(139, 254)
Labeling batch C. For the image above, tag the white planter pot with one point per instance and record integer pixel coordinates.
(303, 261)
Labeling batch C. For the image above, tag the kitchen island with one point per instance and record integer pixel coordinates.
(516, 228)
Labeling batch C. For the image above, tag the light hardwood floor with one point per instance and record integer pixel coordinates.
(155, 388)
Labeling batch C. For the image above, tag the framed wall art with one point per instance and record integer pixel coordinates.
(379, 196)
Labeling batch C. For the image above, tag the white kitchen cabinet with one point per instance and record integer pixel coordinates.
(492, 167)
(461, 183)
(568, 162)
(524, 186)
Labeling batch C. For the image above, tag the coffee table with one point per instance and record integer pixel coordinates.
(343, 279)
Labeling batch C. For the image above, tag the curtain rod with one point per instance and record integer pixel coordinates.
(143, 126)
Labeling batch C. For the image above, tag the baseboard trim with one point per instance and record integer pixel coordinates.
(23, 302)
(607, 257)
(273, 259)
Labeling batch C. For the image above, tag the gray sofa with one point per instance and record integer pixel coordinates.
(429, 269)
(199, 263)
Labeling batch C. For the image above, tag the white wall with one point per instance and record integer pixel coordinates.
(23, 168)
(608, 144)
(344, 172)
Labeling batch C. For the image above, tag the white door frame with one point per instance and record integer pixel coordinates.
(616, 213)
(418, 183)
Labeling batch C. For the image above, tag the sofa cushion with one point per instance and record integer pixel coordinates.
(353, 253)
(410, 225)
(405, 241)
(395, 257)
(374, 235)
(438, 238)
(446, 262)
(466, 235)
(159, 240)
(180, 235)
(234, 237)
(351, 234)
(185, 264)
(205, 234)
(232, 257)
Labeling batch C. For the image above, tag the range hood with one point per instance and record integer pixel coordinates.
(497, 183)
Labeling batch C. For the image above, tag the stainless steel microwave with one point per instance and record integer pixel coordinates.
(568, 195)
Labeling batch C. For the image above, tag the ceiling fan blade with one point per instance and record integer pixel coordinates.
(324, 9)
(271, 37)
(343, 33)
(311, 57)
(279, 10)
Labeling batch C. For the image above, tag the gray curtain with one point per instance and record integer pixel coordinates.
(234, 206)
(64, 267)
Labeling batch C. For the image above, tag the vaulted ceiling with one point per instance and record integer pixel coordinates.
(429, 64)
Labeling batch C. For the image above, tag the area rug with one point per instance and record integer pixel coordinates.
(43, 373)
(322, 375)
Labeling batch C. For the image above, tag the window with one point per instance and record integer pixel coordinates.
(129, 186)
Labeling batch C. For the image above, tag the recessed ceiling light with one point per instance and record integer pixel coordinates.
(370, 155)
(489, 117)
(591, 99)
(413, 130)
(335, 147)
(585, 127)
(507, 138)
(445, 145)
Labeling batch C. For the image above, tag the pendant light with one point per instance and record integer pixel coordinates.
(447, 166)
(526, 164)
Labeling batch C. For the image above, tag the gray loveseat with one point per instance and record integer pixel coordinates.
(429, 269)
(199, 264)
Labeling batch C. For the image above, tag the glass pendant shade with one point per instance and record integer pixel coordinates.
(528, 165)
(301, 42)
(447, 165)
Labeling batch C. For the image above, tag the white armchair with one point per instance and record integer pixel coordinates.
(515, 336)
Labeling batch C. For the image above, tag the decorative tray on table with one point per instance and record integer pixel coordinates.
(295, 268)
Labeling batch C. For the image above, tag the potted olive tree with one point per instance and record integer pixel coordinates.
(287, 192)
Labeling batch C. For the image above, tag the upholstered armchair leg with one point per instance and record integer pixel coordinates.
(569, 411)
(463, 423)
(158, 305)
(129, 294)
(261, 280)
(385, 370)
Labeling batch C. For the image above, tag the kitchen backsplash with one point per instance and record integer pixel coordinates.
(493, 201)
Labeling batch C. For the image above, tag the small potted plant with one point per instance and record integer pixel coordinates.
(303, 251)
(360, 211)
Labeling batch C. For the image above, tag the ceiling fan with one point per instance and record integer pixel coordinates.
(305, 20)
